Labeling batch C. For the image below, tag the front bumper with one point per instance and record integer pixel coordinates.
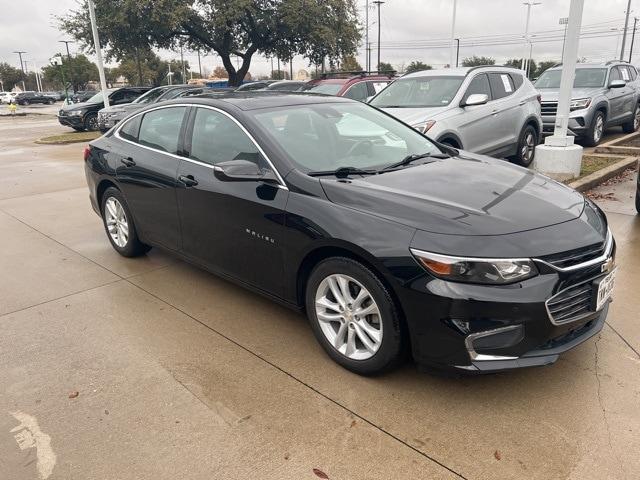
(579, 123)
(76, 121)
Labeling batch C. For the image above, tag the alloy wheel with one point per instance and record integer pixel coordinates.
(526, 153)
(597, 132)
(116, 220)
(92, 123)
(348, 317)
(636, 118)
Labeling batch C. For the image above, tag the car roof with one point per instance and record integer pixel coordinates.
(591, 65)
(459, 71)
(261, 99)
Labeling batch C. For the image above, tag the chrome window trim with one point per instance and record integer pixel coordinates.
(594, 261)
(468, 342)
(281, 181)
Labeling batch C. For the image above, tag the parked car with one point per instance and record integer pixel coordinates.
(388, 241)
(84, 116)
(7, 97)
(489, 110)
(257, 85)
(285, 86)
(355, 85)
(108, 117)
(29, 97)
(603, 95)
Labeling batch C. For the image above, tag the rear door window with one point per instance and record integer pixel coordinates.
(501, 85)
(378, 86)
(129, 130)
(357, 91)
(160, 129)
(479, 85)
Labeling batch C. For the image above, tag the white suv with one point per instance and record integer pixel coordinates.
(489, 110)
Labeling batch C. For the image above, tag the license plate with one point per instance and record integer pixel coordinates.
(605, 289)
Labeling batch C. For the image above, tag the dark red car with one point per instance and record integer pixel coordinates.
(354, 85)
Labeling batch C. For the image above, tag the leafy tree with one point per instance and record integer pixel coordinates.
(78, 71)
(279, 75)
(417, 66)
(220, 72)
(350, 64)
(476, 61)
(385, 67)
(10, 76)
(517, 63)
(315, 29)
(544, 65)
(513, 62)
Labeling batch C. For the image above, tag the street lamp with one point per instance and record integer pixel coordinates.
(66, 42)
(529, 4)
(564, 21)
(453, 34)
(378, 3)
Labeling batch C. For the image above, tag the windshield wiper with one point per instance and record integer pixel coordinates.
(342, 172)
(412, 158)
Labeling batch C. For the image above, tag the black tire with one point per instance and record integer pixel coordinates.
(393, 346)
(527, 142)
(91, 122)
(133, 247)
(638, 200)
(593, 136)
(26, 102)
(78, 129)
(633, 124)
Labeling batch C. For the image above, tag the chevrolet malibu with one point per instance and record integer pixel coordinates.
(392, 244)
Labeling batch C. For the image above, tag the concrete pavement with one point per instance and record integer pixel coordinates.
(181, 374)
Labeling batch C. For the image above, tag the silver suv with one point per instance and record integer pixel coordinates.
(490, 110)
(603, 95)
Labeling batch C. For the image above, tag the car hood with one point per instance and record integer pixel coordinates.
(551, 95)
(78, 106)
(413, 116)
(465, 195)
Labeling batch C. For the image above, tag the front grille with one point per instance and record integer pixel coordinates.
(571, 304)
(575, 257)
(549, 108)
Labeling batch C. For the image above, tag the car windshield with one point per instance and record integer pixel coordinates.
(585, 78)
(97, 98)
(149, 97)
(328, 136)
(418, 92)
(326, 88)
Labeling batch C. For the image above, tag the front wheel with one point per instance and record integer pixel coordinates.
(91, 122)
(118, 223)
(354, 317)
(596, 130)
(526, 146)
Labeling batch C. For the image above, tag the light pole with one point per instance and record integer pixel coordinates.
(457, 51)
(96, 43)
(453, 33)
(378, 3)
(66, 42)
(633, 37)
(366, 35)
(564, 21)
(626, 24)
(529, 4)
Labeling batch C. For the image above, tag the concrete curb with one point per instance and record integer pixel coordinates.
(596, 178)
(614, 146)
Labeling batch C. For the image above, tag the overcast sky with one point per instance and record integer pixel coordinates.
(410, 30)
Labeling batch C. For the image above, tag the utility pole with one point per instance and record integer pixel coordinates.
(457, 51)
(366, 40)
(378, 3)
(564, 21)
(633, 37)
(20, 52)
(199, 64)
(626, 24)
(453, 32)
(66, 42)
(529, 4)
(96, 42)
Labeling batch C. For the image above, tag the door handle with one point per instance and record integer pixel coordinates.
(522, 103)
(129, 162)
(188, 180)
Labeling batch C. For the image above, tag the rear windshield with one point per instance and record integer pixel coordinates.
(150, 96)
(418, 92)
(585, 78)
(326, 88)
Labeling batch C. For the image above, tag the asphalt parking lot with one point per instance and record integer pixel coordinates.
(150, 368)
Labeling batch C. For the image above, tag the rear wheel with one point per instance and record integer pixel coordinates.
(633, 124)
(353, 316)
(596, 130)
(118, 223)
(526, 146)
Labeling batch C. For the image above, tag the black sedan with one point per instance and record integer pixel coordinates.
(392, 244)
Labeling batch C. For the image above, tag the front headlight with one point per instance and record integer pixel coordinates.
(492, 271)
(424, 127)
(76, 113)
(579, 104)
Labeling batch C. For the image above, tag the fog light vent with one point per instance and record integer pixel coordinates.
(497, 338)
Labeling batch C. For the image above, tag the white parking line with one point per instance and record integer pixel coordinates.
(29, 435)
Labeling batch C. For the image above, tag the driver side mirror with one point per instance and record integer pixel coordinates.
(617, 84)
(242, 171)
(475, 99)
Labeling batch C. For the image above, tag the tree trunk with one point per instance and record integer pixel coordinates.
(236, 76)
(139, 65)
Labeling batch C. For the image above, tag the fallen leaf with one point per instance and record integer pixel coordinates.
(353, 423)
(320, 474)
(73, 394)
(497, 455)
(286, 456)
(106, 412)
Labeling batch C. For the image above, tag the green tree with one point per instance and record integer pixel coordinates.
(385, 67)
(78, 71)
(417, 66)
(279, 75)
(544, 65)
(517, 63)
(315, 29)
(476, 61)
(350, 64)
(10, 76)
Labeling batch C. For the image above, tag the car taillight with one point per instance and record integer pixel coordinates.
(87, 152)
